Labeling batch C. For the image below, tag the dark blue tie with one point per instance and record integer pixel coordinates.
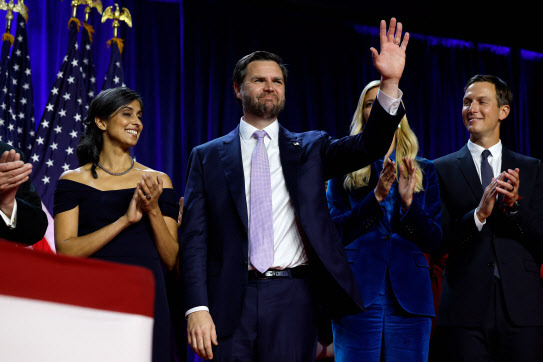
(486, 170)
(486, 179)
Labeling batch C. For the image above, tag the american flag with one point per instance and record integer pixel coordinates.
(20, 90)
(115, 74)
(7, 129)
(88, 75)
(53, 151)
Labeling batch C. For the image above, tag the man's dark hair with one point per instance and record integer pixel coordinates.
(504, 96)
(240, 70)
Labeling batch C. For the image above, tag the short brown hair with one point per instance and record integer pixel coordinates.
(504, 96)
(240, 70)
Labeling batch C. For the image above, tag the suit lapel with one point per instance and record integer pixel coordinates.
(230, 154)
(468, 170)
(508, 160)
(290, 152)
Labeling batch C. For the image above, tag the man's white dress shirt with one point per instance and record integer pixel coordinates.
(495, 161)
(10, 222)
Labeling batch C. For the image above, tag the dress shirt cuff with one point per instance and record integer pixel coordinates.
(11, 223)
(388, 103)
(195, 309)
(478, 223)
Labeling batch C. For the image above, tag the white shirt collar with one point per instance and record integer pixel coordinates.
(476, 150)
(246, 130)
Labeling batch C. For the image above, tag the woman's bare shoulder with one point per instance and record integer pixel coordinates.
(147, 170)
(80, 174)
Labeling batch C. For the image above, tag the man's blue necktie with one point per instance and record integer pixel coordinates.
(486, 170)
(486, 178)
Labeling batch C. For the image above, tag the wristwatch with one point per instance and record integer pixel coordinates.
(512, 209)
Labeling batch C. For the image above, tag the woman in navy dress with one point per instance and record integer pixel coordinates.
(114, 208)
(389, 216)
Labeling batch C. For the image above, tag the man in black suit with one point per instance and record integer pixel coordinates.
(492, 199)
(21, 217)
(254, 259)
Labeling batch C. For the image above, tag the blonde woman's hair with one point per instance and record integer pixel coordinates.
(407, 145)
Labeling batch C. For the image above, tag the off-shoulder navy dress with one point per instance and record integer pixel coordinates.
(134, 245)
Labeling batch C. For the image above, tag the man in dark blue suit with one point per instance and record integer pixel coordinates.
(259, 248)
(492, 296)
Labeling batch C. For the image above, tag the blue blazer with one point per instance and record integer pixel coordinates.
(214, 237)
(375, 243)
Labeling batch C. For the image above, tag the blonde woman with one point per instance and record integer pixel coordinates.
(389, 216)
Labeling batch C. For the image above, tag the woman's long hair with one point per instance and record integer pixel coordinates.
(407, 145)
(104, 106)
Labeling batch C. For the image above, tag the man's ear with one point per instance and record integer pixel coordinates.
(100, 123)
(504, 112)
(237, 90)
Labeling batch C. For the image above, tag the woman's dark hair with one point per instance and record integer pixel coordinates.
(104, 106)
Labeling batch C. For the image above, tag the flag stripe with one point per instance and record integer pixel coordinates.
(77, 281)
(50, 332)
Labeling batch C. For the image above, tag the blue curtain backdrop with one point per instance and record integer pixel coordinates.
(180, 54)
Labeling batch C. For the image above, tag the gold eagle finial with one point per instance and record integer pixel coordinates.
(11, 8)
(97, 4)
(90, 4)
(117, 15)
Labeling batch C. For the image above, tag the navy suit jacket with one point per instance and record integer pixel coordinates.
(31, 221)
(374, 244)
(515, 242)
(214, 228)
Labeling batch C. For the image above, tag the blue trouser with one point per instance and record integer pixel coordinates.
(384, 332)
(278, 323)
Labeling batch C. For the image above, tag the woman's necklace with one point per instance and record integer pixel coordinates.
(115, 173)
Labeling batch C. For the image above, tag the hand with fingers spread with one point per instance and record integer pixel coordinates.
(386, 179)
(407, 181)
(509, 188)
(13, 172)
(390, 62)
(486, 205)
(201, 333)
(149, 192)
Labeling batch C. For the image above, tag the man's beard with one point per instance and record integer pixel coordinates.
(262, 110)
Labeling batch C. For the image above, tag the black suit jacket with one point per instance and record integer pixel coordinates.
(214, 228)
(514, 241)
(31, 220)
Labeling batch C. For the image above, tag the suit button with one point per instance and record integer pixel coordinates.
(491, 264)
(387, 237)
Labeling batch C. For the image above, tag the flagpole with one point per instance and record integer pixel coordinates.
(97, 4)
(115, 75)
(11, 8)
(118, 15)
